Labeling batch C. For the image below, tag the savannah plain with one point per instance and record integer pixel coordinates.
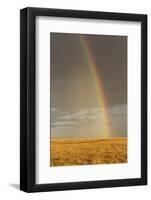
(88, 151)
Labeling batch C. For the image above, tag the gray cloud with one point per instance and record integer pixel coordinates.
(87, 115)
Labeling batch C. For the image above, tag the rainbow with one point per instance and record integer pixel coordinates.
(88, 54)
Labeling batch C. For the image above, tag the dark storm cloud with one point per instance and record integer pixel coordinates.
(69, 66)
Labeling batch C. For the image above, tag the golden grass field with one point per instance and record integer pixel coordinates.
(88, 151)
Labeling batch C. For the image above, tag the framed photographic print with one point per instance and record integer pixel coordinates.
(83, 95)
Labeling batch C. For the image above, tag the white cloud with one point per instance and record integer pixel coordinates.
(60, 123)
(77, 115)
(118, 110)
(84, 114)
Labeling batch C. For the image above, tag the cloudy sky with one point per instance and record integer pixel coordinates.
(75, 109)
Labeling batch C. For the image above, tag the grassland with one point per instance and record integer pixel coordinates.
(88, 151)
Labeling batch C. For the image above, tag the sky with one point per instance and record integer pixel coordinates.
(75, 110)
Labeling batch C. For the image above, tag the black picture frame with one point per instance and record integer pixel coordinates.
(28, 98)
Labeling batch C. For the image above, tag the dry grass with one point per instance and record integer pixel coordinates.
(88, 151)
